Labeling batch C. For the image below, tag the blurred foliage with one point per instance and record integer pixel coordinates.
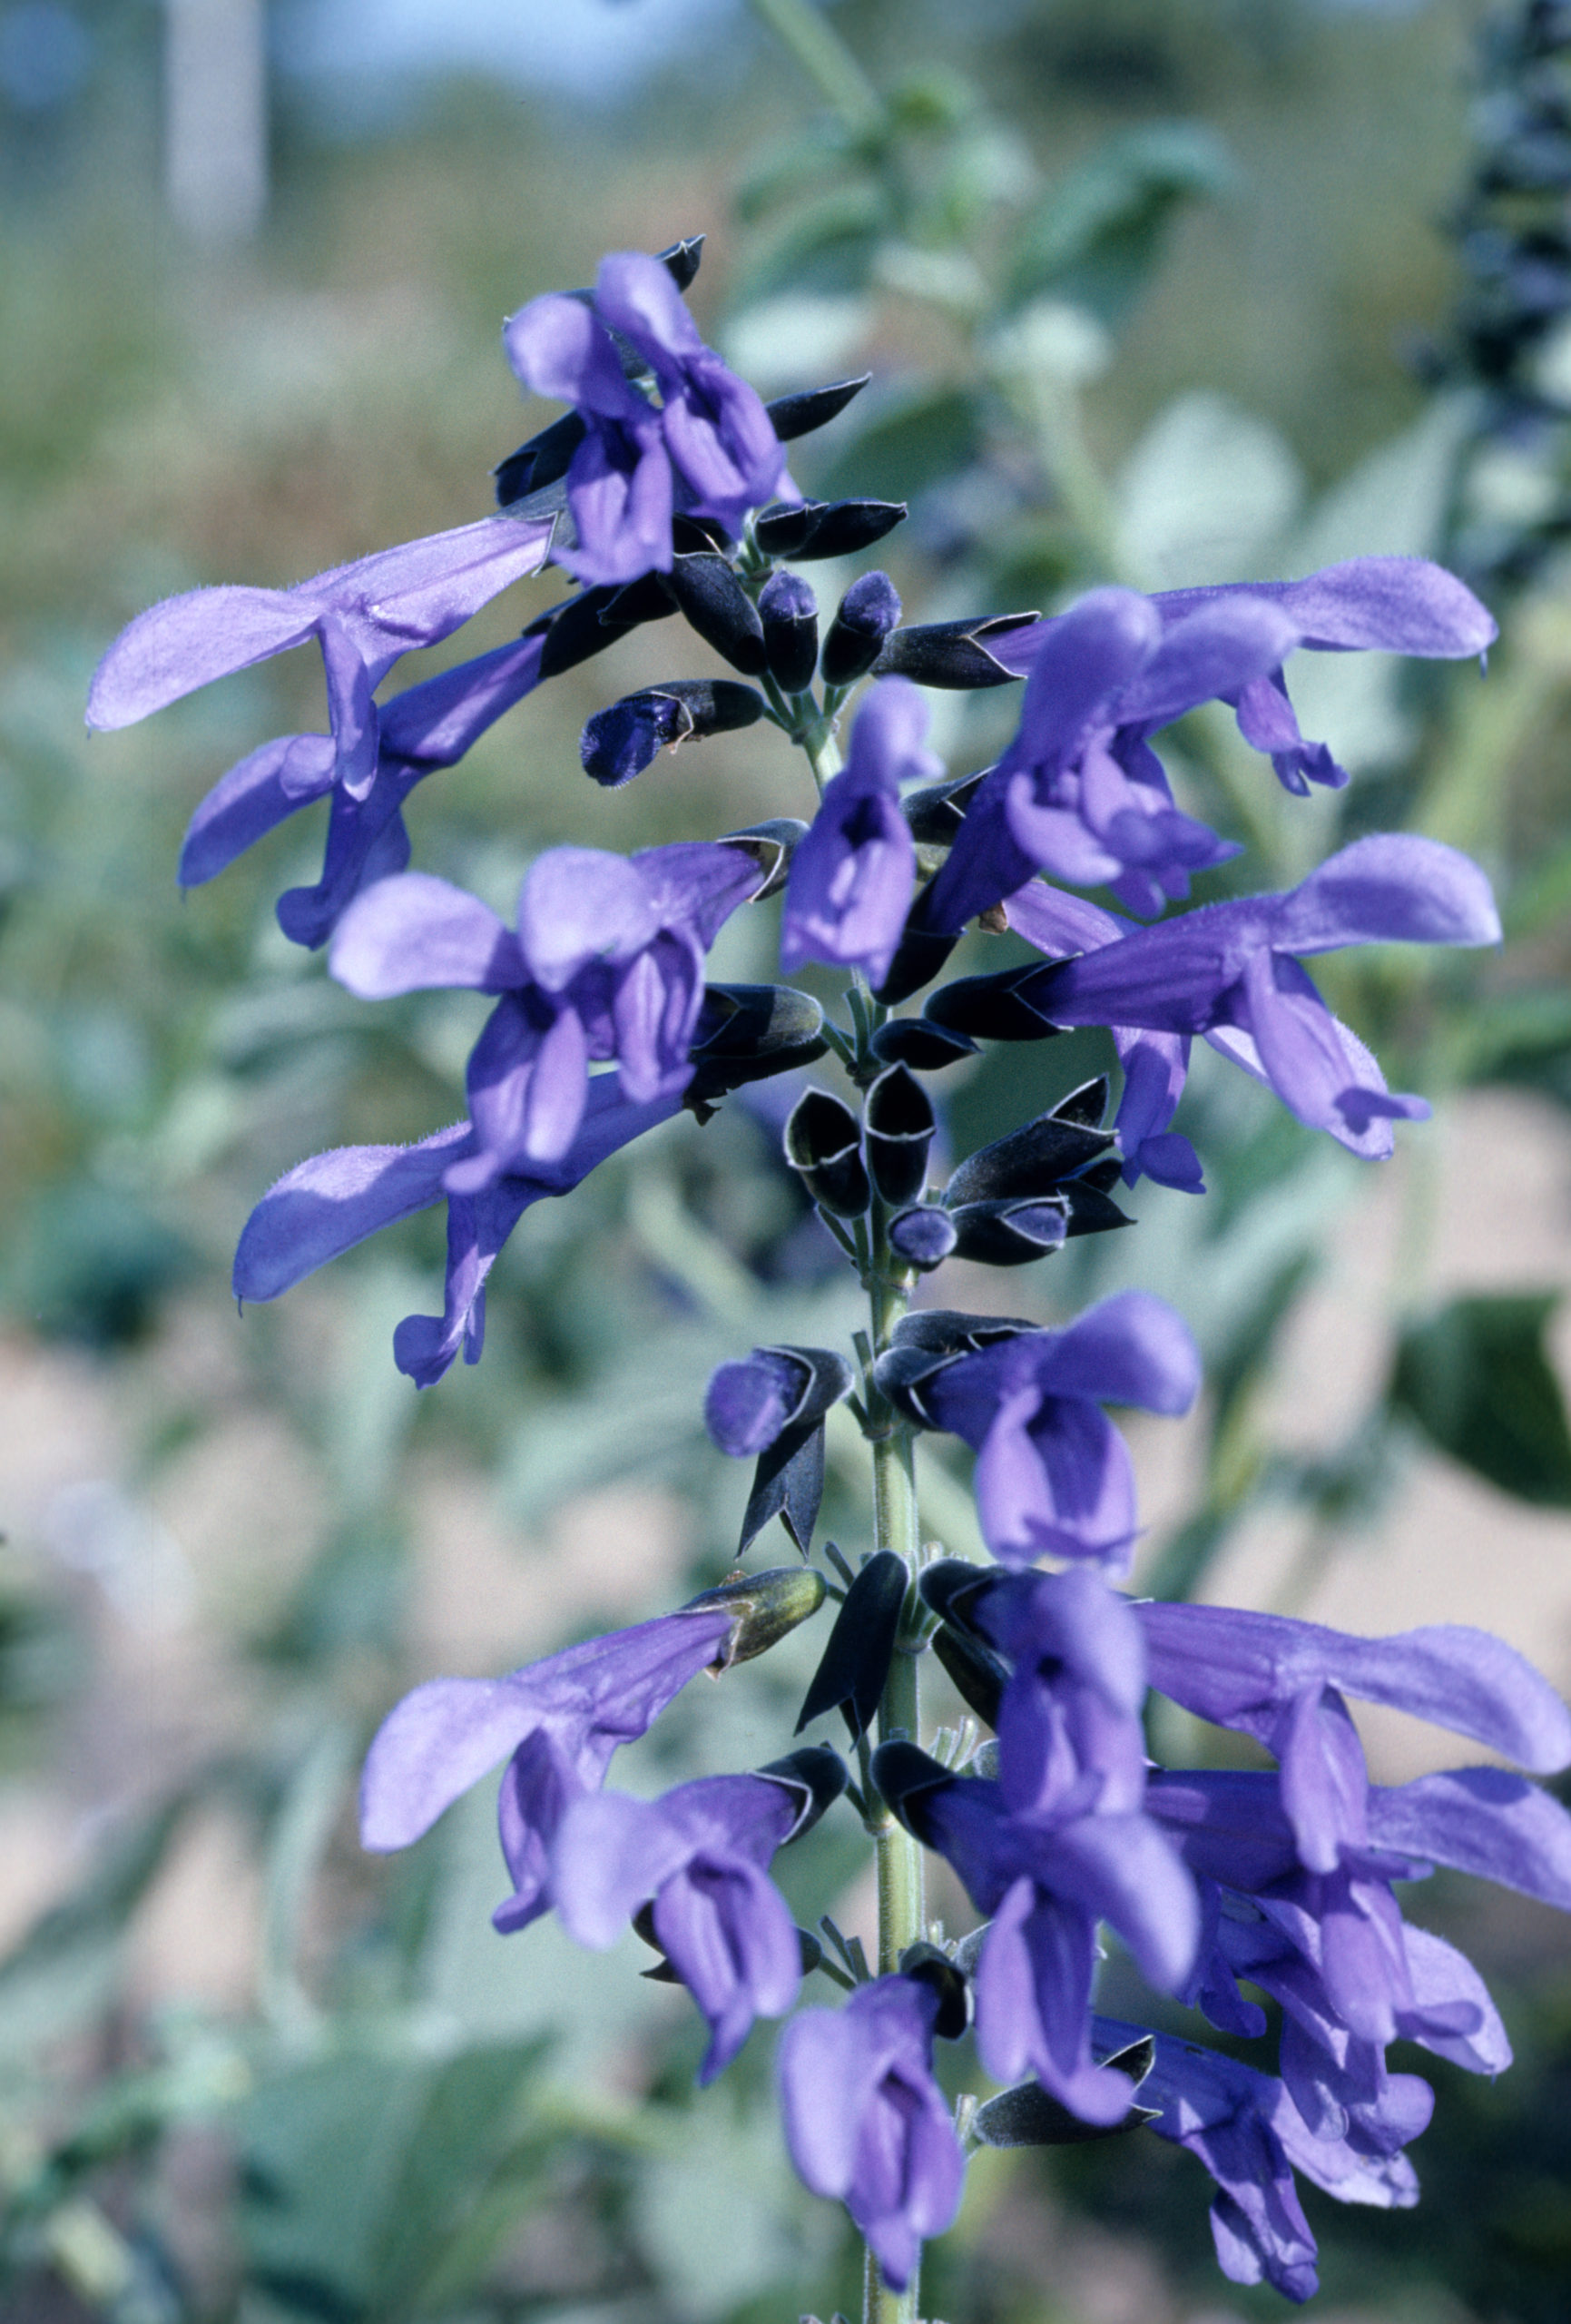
(1131, 278)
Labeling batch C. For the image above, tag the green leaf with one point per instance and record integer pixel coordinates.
(1095, 236)
(1477, 1382)
(907, 442)
(65, 1970)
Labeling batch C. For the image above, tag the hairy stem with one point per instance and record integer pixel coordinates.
(903, 1911)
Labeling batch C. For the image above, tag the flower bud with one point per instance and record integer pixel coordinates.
(923, 1237)
(866, 612)
(827, 528)
(823, 1143)
(1030, 1163)
(620, 742)
(790, 614)
(1010, 1234)
(766, 1606)
(898, 1129)
(543, 461)
(811, 407)
(919, 956)
(713, 601)
(953, 654)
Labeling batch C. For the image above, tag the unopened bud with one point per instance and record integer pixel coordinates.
(713, 601)
(823, 1143)
(620, 742)
(866, 612)
(955, 654)
(790, 614)
(767, 1607)
(811, 407)
(827, 528)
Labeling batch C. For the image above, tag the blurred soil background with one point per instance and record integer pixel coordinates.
(243, 2071)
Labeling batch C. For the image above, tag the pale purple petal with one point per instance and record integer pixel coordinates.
(188, 641)
(266, 787)
(579, 904)
(323, 1207)
(1393, 886)
(417, 932)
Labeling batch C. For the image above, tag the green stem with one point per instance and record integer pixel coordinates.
(826, 60)
(902, 1908)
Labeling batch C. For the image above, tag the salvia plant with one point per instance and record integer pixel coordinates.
(662, 491)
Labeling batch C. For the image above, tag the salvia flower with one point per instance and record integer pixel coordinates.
(1243, 2126)
(1081, 795)
(1053, 1473)
(557, 1723)
(865, 2121)
(701, 1853)
(607, 962)
(1232, 972)
(362, 616)
(852, 877)
(325, 1205)
(708, 446)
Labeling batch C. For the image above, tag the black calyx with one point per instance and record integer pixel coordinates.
(771, 844)
(789, 612)
(789, 1480)
(815, 1772)
(855, 1665)
(681, 259)
(863, 619)
(823, 1143)
(621, 740)
(1028, 2115)
(544, 459)
(905, 1774)
(920, 957)
(748, 1032)
(956, 656)
(949, 1587)
(593, 619)
(924, 1343)
(937, 811)
(827, 527)
(1026, 1194)
(926, 1048)
(811, 407)
(1030, 1162)
(1010, 1234)
(979, 1677)
(990, 1009)
(898, 1129)
(926, 1965)
(713, 601)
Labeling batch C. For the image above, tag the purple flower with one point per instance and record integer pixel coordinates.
(427, 726)
(607, 962)
(749, 1403)
(1245, 2129)
(323, 1207)
(1232, 971)
(363, 617)
(1283, 1681)
(557, 1723)
(852, 877)
(708, 447)
(700, 1852)
(1053, 1473)
(1081, 795)
(865, 2121)
(1045, 1878)
(1061, 1839)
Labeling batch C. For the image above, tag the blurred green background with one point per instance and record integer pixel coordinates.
(1162, 293)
